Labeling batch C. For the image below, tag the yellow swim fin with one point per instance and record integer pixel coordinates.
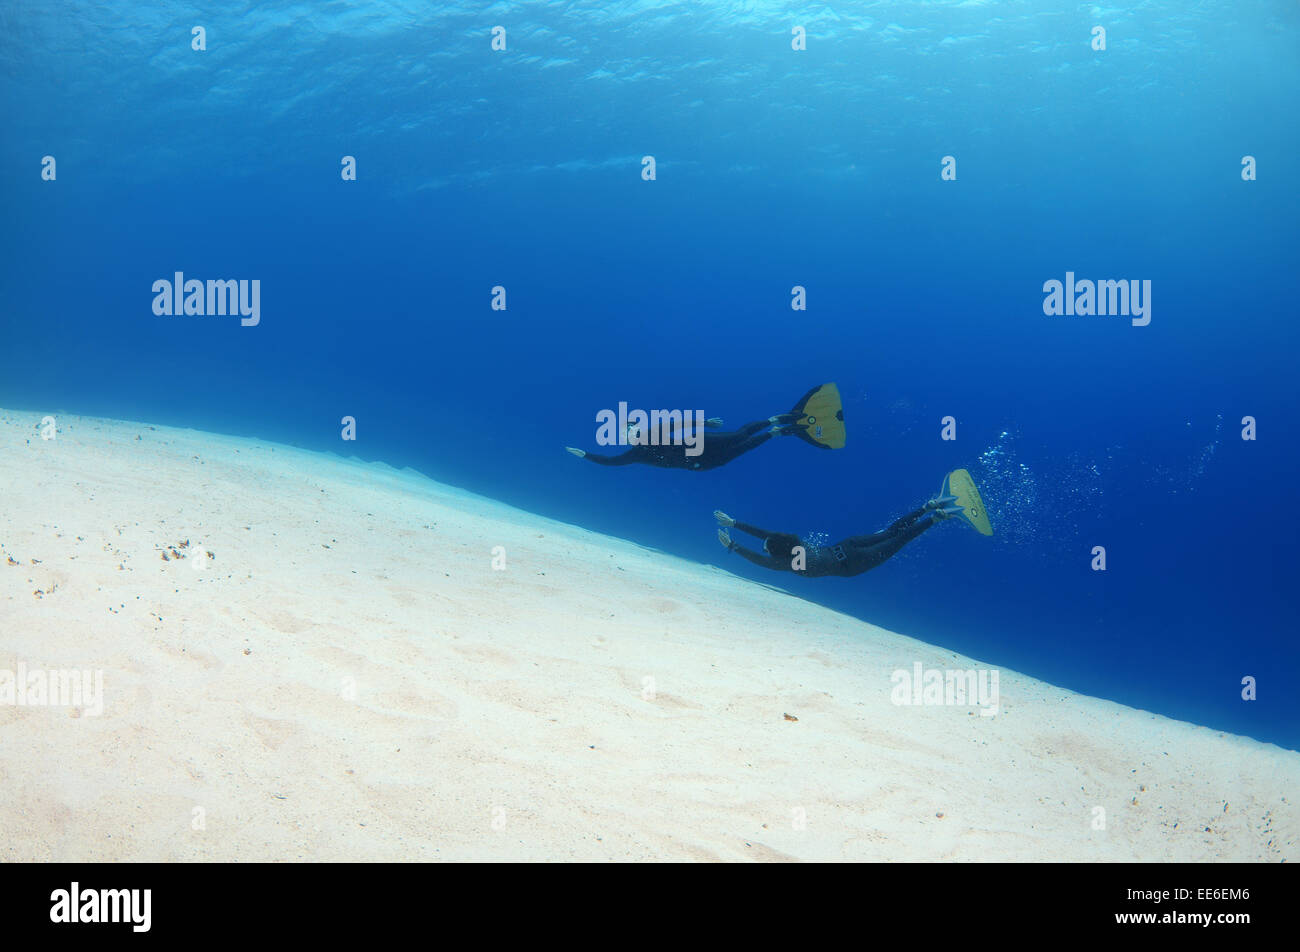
(959, 485)
(821, 417)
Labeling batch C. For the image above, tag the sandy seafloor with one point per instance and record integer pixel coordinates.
(348, 678)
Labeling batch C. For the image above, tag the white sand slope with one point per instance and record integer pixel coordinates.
(350, 679)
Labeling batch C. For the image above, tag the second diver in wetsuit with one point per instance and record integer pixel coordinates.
(858, 554)
(818, 418)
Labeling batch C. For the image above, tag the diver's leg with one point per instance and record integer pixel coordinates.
(718, 455)
(867, 552)
(905, 522)
(722, 448)
(884, 535)
(749, 429)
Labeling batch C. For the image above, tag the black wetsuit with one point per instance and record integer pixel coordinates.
(717, 449)
(853, 556)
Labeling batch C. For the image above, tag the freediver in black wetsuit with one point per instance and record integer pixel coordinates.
(818, 418)
(788, 553)
(716, 449)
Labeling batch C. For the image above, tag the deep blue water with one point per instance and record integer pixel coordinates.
(775, 168)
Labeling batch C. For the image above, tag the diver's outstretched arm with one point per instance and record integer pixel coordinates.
(758, 558)
(728, 522)
(620, 460)
(755, 531)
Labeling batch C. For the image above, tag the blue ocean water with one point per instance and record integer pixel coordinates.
(821, 168)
